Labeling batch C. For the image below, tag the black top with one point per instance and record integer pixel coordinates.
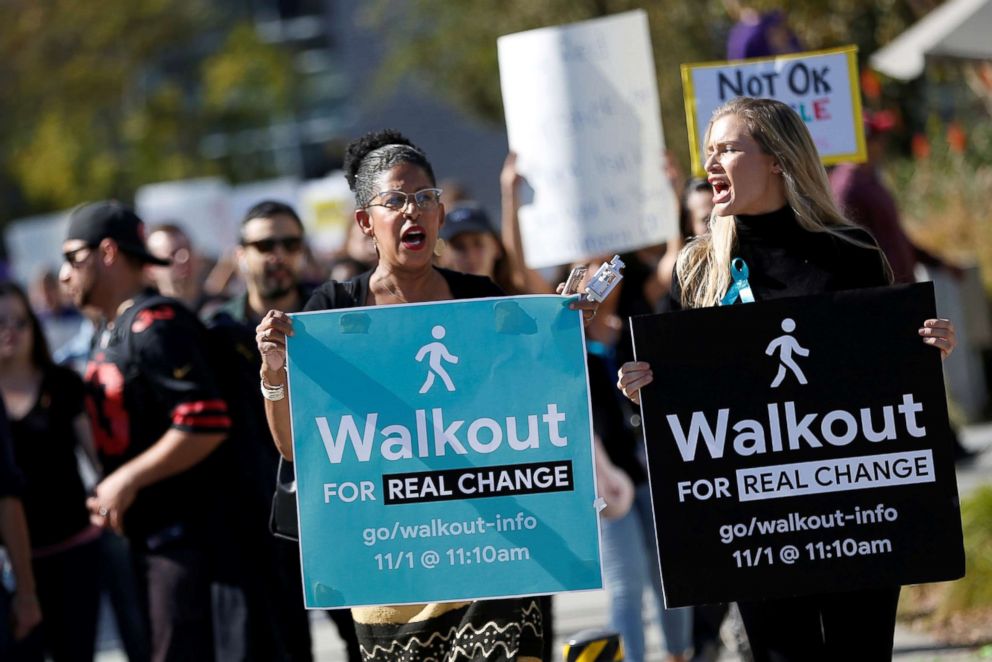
(786, 260)
(147, 373)
(609, 420)
(11, 480)
(45, 449)
(255, 458)
(355, 292)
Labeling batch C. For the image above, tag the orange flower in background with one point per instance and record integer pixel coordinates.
(956, 138)
(920, 146)
(871, 87)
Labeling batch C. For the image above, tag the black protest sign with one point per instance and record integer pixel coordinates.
(799, 446)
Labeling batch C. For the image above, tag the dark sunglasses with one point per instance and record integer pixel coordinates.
(289, 244)
(72, 257)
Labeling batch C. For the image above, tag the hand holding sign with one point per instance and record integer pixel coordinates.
(940, 333)
(633, 376)
(270, 336)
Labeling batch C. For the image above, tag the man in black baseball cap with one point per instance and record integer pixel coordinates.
(104, 247)
(109, 219)
(157, 416)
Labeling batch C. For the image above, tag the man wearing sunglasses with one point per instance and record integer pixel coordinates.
(157, 419)
(270, 258)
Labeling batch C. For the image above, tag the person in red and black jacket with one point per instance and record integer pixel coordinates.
(157, 419)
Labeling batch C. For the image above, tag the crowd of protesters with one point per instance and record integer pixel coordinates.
(163, 452)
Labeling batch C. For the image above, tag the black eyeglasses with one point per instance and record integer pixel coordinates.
(289, 244)
(425, 199)
(72, 257)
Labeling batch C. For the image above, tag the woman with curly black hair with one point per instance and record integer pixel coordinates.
(398, 206)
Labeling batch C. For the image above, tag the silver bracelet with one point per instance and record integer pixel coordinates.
(273, 393)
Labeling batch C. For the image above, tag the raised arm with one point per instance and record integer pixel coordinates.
(270, 335)
(524, 279)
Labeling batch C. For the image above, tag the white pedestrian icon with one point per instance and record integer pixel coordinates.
(786, 345)
(436, 352)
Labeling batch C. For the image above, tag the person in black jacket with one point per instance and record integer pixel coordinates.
(270, 257)
(773, 208)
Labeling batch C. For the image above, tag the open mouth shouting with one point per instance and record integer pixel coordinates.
(414, 238)
(721, 190)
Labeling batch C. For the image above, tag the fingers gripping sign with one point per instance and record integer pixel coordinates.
(940, 334)
(270, 336)
(633, 376)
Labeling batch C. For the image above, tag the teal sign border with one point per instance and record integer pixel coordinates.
(520, 358)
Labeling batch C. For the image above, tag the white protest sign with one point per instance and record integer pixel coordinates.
(201, 207)
(821, 86)
(582, 114)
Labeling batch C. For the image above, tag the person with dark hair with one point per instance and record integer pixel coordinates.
(773, 208)
(270, 259)
(398, 205)
(759, 34)
(864, 197)
(695, 208)
(48, 424)
(157, 419)
(20, 612)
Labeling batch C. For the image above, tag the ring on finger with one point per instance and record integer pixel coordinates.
(103, 511)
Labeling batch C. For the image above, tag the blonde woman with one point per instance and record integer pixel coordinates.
(773, 208)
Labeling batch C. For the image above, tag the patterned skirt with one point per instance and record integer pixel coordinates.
(492, 630)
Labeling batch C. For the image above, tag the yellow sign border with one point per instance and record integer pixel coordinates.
(692, 119)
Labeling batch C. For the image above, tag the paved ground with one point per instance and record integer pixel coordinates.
(580, 611)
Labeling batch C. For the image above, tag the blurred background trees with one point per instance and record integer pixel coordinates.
(100, 98)
(943, 144)
(451, 45)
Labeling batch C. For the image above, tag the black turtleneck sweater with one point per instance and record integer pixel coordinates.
(787, 261)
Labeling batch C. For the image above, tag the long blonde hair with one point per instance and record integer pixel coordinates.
(703, 266)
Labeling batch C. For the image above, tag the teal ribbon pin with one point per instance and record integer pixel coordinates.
(740, 288)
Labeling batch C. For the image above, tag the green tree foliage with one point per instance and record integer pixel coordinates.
(975, 590)
(101, 97)
(452, 45)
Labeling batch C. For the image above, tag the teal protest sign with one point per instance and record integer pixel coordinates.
(443, 452)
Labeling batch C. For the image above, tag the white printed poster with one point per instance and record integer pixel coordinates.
(582, 114)
(822, 87)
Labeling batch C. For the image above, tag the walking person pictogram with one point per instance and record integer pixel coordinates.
(436, 352)
(786, 345)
